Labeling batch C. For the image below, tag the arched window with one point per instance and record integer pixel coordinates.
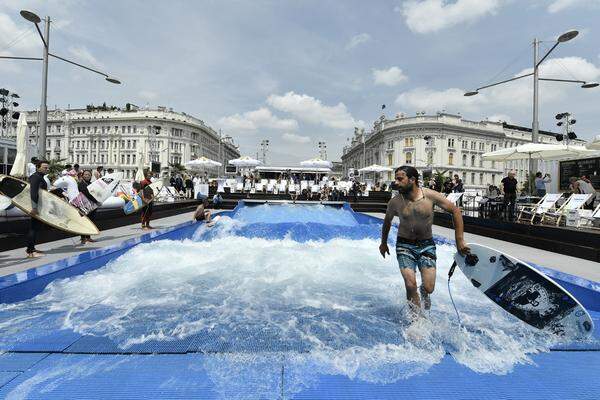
(472, 161)
(450, 158)
(464, 158)
(409, 157)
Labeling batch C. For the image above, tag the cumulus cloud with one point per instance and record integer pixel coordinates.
(296, 139)
(511, 97)
(84, 55)
(389, 77)
(309, 109)
(16, 40)
(499, 118)
(357, 40)
(560, 5)
(253, 120)
(433, 15)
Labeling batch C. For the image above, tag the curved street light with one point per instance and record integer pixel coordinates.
(35, 19)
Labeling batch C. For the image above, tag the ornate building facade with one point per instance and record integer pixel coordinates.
(442, 142)
(121, 139)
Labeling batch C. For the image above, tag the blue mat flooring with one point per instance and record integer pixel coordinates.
(197, 376)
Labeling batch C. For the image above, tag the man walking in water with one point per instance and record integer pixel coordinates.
(415, 246)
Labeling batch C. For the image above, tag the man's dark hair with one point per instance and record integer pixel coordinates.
(33, 160)
(100, 167)
(136, 186)
(38, 163)
(538, 174)
(67, 166)
(76, 166)
(110, 170)
(411, 172)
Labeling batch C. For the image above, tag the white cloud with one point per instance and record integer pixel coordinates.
(513, 97)
(358, 39)
(296, 139)
(309, 109)
(560, 5)
(499, 118)
(148, 95)
(388, 77)
(83, 55)
(17, 40)
(253, 120)
(433, 15)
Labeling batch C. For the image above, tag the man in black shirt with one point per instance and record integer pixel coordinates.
(36, 182)
(509, 188)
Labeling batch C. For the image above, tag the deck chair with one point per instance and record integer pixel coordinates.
(270, 187)
(258, 187)
(531, 211)
(575, 202)
(239, 187)
(282, 186)
(292, 188)
(590, 218)
(247, 186)
(454, 197)
(315, 189)
(303, 185)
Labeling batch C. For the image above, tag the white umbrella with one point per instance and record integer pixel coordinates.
(316, 163)
(202, 162)
(594, 144)
(245, 161)
(375, 168)
(537, 151)
(139, 175)
(19, 167)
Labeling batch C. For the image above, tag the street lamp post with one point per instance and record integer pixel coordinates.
(34, 18)
(565, 37)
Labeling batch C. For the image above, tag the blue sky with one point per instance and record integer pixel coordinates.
(300, 72)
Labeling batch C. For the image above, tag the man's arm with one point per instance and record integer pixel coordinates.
(448, 206)
(385, 230)
(34, 191)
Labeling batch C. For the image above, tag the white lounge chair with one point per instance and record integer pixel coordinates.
(239, 187)
(547, 203)
(282, 186)
(270, 187)
(590, 218)
(575, 202)
(454, 198)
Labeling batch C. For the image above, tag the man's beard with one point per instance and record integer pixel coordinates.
(404, 190)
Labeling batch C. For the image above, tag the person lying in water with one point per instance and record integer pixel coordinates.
(415, 247)
(202, 213)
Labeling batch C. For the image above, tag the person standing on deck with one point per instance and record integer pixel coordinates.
(148, 208)
(509, 190)
(415, 246)
(36, 182)
(82, 185)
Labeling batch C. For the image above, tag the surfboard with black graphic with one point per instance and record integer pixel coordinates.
(524, 292)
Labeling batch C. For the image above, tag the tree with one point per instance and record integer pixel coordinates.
(177, 168)
(55, 166)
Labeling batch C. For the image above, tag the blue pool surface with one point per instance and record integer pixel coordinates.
(274, 302)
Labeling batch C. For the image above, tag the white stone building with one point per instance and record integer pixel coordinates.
(455, 146)
(120, 139)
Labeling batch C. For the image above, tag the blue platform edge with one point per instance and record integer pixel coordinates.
(586, 291)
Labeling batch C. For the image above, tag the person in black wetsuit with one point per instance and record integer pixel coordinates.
(86, 179)
(36, 182)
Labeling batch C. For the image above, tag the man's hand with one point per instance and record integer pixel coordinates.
(383, 248)
(34, 211)
(462, 247)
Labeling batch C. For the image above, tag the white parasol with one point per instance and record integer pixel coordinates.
(245, 161)
(201, 163)
(316, 163)
(537, 151)
(375, 168)
(19, 167)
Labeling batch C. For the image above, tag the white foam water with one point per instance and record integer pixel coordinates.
(334, 307)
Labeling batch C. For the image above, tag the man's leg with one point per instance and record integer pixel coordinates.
(427, 285)
(410, 283)
(31, 235)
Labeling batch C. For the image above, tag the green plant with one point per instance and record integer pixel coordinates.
(177, 168)
(55, 167)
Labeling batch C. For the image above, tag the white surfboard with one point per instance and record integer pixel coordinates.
(69, 184)
(524, 292)
(104, 187)
(52, 210)
(5, 202)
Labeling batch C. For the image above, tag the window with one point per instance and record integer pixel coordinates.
(409, 142)
(473, 145)
(123, 129)
(133, 144)
(493, 164)
(494, 147)
(390, 159)
(464, 160)
(129, 129)
(481, 146)
(133, 158)
(465, 144)
(78, 130)
(450, 158)
(122, 158)
(473, 178)
(409, 157)
(493, 179)
(129, 144)
(390, 145)
(128, 159)
(481, 179)
(472, 161)
(464, 177)
(135, 129)
(450, 142)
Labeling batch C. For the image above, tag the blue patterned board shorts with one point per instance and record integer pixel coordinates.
(418, 253)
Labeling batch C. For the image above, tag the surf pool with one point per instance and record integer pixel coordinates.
(275, 301)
